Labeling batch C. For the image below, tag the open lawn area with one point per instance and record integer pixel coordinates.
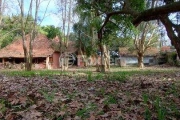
(128, 93)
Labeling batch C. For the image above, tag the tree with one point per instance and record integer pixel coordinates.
(24, 19)
(135, 12)
(2, 7)
(7, 25)
(84, 40)
(92, 21)
(86, 32)
(65, 8)
(11, 29)
(51, 31)
(145, 38)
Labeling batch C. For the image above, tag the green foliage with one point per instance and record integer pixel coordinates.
(84, 112)
(51, 31)
(138, 5)
(172, 90)
(101, 92)
(89, 76)
(11, 28)
(96, 23)
(46, 73)
(60, 118)
(10, 24)
(160, 110)
(99, 76)
(168, 57)
(111, 99)
(2, 106)
(119, 76)
(7, 40)
(49, 96)
(163, 108)
(84, 39)
(172, 58)
(72, 95)
(147, 114)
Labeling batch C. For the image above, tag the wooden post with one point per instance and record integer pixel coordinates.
(48, 66)
(3, 61)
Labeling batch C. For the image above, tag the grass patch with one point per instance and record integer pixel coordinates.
(84, 112)
(49, 96)
(34, 73)
(119, 74)
(2, 106)
(162, 107)
(111, 99)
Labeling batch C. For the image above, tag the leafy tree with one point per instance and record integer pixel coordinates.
(11, 29)
(2, 7)
(109, 34)
(85, 30)
(51, 31)
(133, 12)
(145, 38)
(130, 13)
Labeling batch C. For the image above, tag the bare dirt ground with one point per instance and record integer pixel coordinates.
(151, 96)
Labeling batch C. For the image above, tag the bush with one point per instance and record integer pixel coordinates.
(172, 58)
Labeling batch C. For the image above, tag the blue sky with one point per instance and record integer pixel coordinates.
(12, 8)
(50, 15)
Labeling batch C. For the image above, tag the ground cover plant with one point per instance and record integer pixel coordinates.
(123, 93)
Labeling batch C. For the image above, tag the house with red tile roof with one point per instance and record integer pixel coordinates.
(44, 55)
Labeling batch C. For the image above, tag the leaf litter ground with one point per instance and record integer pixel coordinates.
(62, 97)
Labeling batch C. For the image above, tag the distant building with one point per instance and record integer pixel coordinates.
(44, 55)
(129, 57)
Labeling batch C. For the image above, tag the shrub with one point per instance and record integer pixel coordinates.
(172, 58)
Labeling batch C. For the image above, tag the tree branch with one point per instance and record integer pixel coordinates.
(154, 13)
(147, 15)
(108, 15)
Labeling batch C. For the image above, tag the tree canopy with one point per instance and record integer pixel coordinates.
(51, 31)
(130, 13)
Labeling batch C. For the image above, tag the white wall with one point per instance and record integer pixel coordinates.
(133, 60)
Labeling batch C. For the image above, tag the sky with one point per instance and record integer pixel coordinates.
(51, 17)
(12, 8)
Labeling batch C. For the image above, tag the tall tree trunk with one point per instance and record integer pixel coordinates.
(28, 47)
(105, 59)
(67, 35)
(28, 63)
(103, 49)
(103, 63)
(66, 15)
(21, 4)
(171, 30)
(140, 60)
(1, 7)
(62, 38)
